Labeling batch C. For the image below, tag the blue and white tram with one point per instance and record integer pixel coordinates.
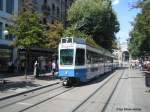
(79, 62)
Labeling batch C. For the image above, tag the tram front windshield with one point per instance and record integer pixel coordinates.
(66, 57)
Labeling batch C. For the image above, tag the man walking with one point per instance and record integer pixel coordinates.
(35, 73)
(53, 67)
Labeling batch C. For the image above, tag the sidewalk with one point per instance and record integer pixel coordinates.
(19, 84)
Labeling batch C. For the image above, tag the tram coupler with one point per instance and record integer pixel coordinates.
(67, 81)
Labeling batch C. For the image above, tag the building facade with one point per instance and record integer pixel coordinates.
(122, 53)
(8, 8)
(50, 11)
(125, 52)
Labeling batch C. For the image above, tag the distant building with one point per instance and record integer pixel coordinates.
(125, 52)
(122, 52)
(50, 10)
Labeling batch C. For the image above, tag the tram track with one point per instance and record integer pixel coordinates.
(42, 101)
(26, 92)
(34, 101)
(26, 96)
(78, 107)
(49, 94)
(49, 99)
(108, 100)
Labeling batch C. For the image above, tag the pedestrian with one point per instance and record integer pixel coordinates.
(53, 68)
(141, 64)
(35, 69)
(10, 66)
(49, 65)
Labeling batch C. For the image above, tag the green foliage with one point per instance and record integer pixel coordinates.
(28, 30)
(140, 36)
(54, 34)
(95, 18)
(134, 44)
(72, 32)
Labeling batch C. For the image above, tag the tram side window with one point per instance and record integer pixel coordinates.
(93, 57)
(80, 57)
(101, 59)
(106, 59)
(89, 57)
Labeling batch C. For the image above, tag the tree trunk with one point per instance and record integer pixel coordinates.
(27, 61)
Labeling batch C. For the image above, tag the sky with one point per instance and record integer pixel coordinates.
(125, 16)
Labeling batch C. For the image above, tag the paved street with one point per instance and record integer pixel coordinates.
(63, 102)
(131, 94)
(19, 84)
(104, 94)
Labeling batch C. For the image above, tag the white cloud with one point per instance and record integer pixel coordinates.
(115, 2)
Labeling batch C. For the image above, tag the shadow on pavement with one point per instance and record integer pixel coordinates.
(13, 85)
(96, 79)
(100, 78)
(47, 78)
(123, 68)
(13, 74)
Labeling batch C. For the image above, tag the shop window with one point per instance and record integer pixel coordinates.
(10, 6)
(58, 11)
(5, 58)
(66, 3)
(45, 8)
(53, 9)
(1, 5)
(1, 30)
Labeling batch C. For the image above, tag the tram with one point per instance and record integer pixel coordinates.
(80, 62)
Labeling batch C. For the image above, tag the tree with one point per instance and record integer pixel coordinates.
(71, 31)
(56, 31)
(95, 18)
(28, 31)
(140, 35)
(54, 34)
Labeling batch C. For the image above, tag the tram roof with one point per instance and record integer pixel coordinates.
(83, 41)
